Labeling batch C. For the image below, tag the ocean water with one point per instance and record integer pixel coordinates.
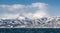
(29, 30)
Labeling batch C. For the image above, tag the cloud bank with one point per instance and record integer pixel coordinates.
(34, 10)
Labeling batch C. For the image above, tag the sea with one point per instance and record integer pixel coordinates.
(29, 30)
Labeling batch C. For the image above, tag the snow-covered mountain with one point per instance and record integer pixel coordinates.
(25, 22)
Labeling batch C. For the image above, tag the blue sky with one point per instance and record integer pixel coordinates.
(53, 5)
(51, 2)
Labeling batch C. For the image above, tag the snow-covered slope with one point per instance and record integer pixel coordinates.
(25, 22)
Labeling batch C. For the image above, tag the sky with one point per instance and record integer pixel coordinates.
(29, 8)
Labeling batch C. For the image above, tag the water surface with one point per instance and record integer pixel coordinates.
(29, 30)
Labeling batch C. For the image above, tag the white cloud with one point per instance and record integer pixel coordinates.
(9, 16)
(35, 10)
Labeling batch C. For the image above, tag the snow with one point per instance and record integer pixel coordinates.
(25, 22)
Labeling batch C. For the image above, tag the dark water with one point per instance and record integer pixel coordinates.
(29, 30)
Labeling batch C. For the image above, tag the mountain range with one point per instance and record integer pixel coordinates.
(25, 22)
